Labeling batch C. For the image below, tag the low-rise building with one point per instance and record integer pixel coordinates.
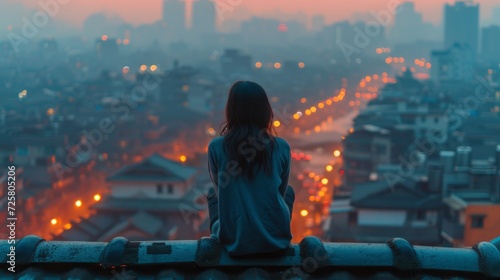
(377, 210)
(156, 198)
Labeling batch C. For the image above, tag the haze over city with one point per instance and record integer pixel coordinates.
(148, 11)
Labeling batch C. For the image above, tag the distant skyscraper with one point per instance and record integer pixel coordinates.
(204, 17)
(495, 15)
(174, 14)
(491, 44)
(408, 25)
(461, 24)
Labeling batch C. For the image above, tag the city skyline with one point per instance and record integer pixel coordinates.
(149, 11)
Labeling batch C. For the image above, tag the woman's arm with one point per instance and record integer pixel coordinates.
(286, 171)
(213, 169)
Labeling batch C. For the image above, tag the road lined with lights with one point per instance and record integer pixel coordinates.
(319, 172)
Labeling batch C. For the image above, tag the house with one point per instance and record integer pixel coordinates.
(471, 188)
(377, 210)
(470, 217)
(156, 198)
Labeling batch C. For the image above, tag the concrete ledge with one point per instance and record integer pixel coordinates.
(310, 257)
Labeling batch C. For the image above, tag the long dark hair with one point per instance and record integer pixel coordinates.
(248, 138)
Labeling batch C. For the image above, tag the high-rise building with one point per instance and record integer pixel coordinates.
(455, 64)
(461, 25)
(204, 17)
(491, 43)
(318, 22)
(410, 27)
(174, 14)
(408, 24)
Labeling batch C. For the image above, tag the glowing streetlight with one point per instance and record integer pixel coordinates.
(53, 221)
(304, 212)
(211, 131)
(183, 158)
(97, 197)
(78, 203)
(22, 94)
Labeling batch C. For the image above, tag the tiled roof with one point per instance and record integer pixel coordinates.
(134, 204)
(155, 167)
(205, 259)
(403, 195)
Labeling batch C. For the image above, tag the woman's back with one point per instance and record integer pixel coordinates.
(253, 215)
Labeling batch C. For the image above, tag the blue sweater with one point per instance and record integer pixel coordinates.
(253, 216)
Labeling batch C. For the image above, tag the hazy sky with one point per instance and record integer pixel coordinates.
(146, 11)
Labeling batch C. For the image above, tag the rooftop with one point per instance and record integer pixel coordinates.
(155, 167)
(206, 259)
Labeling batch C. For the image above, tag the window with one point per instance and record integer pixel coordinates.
(423, 132)
(421, 215)
(438, 134)
(352, 218)
(159, 188)
(22, 151)
(477, 221)
(170, 189)
(380, 149)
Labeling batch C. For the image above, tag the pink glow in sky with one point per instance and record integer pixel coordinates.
(147, 11)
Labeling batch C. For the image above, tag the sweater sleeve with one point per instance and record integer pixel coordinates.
(286, 171)
(213, 169)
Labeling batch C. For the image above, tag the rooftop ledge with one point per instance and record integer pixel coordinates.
(121, 259)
